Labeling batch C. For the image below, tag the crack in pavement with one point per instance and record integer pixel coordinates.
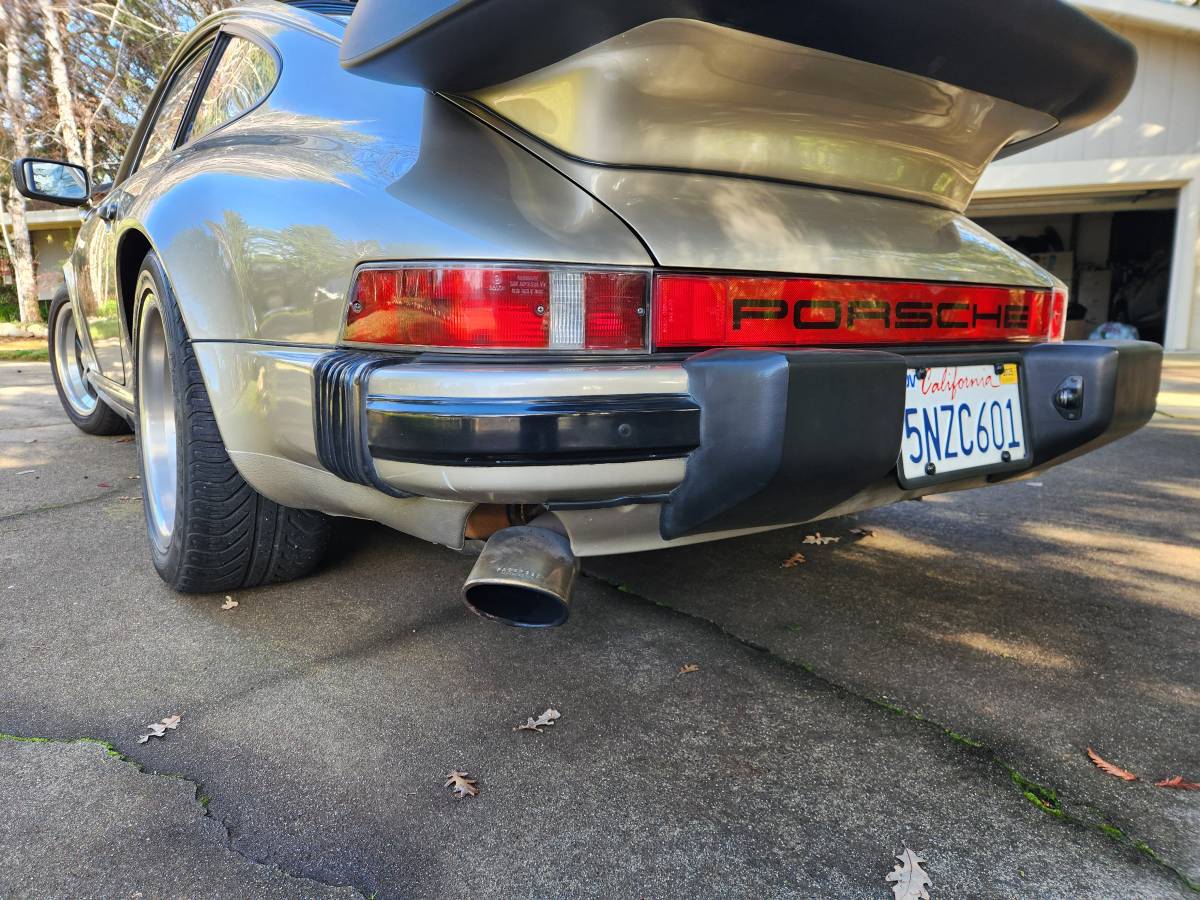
(1044, 798)
(71, 504)
(64, 426)
(199, 798)
(61, 426)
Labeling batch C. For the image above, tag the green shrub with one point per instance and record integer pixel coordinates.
(10, 311)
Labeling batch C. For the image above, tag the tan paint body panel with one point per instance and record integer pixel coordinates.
(706, 221)
(685, 94)
(262, 223)
(714, 222)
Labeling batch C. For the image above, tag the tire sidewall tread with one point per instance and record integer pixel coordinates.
(226, 535)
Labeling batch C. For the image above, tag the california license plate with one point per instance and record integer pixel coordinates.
(961, 418)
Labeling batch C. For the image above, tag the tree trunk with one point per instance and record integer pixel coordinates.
(12, 20)
(68, 124)
(22, 259)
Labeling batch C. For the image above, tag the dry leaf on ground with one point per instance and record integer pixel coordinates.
(229, 603)
(862, 532)
(160, 729)
(796, 559)
(103, 484)
(460, 785)
(688, 669)
(128, 439)
(908, 879)
(1109, 768)
(819, 539)
(546, 718)
(1178, 783)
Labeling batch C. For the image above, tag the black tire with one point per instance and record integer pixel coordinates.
(102, 419)
(225, 535)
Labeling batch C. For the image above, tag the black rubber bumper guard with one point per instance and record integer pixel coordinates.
(788, 435)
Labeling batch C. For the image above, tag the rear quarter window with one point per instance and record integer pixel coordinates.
(170, 111)
(243, 76)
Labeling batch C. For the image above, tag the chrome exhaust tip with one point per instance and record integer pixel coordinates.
(525, 577)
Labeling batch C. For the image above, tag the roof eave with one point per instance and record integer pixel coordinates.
(1156, 15)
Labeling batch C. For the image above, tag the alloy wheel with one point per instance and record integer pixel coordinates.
(69, 365)
(156, 424)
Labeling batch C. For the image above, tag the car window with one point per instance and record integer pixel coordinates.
(244, 75)
(171, 110)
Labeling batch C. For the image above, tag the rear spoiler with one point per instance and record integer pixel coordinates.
(1044, 55)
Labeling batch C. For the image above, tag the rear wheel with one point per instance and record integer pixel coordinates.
(67, 361)
(209, 530)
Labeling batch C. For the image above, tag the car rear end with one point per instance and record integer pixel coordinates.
(819, 329)
(644, 407)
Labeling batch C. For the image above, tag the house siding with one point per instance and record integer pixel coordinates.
(1159, 117)
(1150, 142)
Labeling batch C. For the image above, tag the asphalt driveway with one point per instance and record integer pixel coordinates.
(934, 684)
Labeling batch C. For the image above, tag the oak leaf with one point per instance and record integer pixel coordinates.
(1178, 783)
(796, 559)
(546, 718)
(229, 603)
(460, 785)
(819, 539)
(1109, 768)
(160, 729)
(688, 669)
(908, 879)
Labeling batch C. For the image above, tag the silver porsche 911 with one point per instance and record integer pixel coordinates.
(577, 279)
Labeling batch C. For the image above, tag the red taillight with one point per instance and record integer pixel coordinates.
(563, 308)
(696, 311)
(513, 308)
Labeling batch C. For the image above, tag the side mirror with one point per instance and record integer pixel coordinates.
(55, 182)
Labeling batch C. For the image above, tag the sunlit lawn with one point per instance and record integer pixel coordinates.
(19, 349)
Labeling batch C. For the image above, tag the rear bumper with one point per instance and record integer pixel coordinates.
(821, 430)
(726, 440)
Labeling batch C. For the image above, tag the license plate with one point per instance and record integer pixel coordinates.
(961, 418)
